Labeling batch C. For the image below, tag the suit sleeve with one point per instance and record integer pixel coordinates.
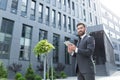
(90, 47)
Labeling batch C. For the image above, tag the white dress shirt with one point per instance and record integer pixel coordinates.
(76, 50)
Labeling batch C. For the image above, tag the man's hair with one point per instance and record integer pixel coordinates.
(81, 24)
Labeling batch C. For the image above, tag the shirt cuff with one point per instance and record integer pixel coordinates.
(72, 53)
(76, 50)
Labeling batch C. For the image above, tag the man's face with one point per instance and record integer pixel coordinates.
(81, 30)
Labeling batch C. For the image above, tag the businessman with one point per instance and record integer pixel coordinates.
(83, 52)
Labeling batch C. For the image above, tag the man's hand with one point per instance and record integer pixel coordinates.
(71, 48)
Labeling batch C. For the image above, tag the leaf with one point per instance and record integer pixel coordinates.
(43, 47)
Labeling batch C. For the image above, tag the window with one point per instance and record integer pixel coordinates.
(25, 43)
(53, 2)
(56, 40)
(59, 20)
(59, 1)
(3, 4)
(69, 24)
(67, 56)
(47, 16)
(104, 20)
(119, 47)
(24, 8)
(14, 6)
(96, 21)
(111, 25)
(109, 15)
(115, 19)
(90, 17)
(117, 57)
(59, 4)
(68, 3)
(64, 2)
(74, 28)
(94, 7)
(73, 6)
(6, 30)
(40, 13)
(42, 35)
(64, 23)
(53, 18)
(77, 10)
(115, 46)
(116, 28)
(84, 13)
(33, 5)
(89, 3)
(112, 34)
(48, 1)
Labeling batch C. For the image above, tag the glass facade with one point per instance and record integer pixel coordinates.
(6, 30)
(74, 26)
(42, 34)
(68, 3)
(25, 42)
(67, 56)
(90, 17)
(40, 18)
(59, 20)
(24, 8)
(56, 39)
(33, 8)
(53, 18)
(64, 23)
(64, 2)
(84, 13)
(47, 12)
(69, 24)
(14, 6)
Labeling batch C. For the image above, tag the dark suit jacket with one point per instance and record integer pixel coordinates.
(84, 59)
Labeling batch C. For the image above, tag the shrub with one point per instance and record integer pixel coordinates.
(37, 77)
(62, 74)
(60, 67)
(3, 71)
(29, 73)
(3, 79)
(15, 67)
(21, 78)
(18, 75)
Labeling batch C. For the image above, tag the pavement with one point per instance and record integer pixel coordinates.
(114, 76)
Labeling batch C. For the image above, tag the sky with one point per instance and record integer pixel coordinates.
(112, 5)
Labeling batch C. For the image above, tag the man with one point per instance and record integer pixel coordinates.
(83, 52)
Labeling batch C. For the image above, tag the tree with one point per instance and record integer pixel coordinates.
(43, 47)
(3, 71)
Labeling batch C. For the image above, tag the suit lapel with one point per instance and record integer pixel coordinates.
(78, 43)
(83, 39)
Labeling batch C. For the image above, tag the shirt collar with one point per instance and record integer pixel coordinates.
(83, 36)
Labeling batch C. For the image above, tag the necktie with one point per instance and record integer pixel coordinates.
(79, 41)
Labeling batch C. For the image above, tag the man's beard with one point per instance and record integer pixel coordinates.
(81, 33)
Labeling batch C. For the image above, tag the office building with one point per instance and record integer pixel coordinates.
(25, 22)
(111, 23)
